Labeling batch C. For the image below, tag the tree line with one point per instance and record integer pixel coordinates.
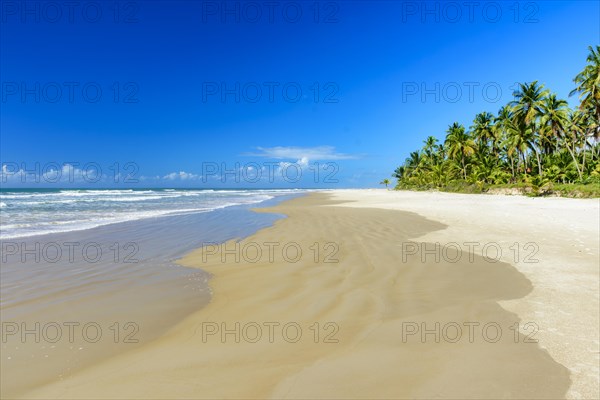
(536, 140)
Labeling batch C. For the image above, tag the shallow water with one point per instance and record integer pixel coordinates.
(70, 299)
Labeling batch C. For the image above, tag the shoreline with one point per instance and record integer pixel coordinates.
(82, 311)
(565, 277)
(368, 299)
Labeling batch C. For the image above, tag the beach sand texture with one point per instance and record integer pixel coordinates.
(364, 303)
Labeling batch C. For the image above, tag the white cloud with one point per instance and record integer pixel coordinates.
(181, 175)
(302, 154)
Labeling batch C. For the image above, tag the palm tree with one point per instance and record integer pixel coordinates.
(484, 166)
(591, 128)
(399, 172)
(429, 147)
(438, 174)
(574, 136)
(527, 108)
(413, 162)
(519, 139)
(459, 145)
(528, 102)
(385, 182)
(553, 120)
(501, 126)
(483, 128)
(588, 83)
(410, 166)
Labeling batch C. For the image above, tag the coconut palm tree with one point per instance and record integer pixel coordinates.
(527, 108)
(501, 126)
(529, 100)
(399, 172)
(483, 128)
(552, 121)
(430, 147)
(410, 167)
(520, 138)
(588, 83)
(459, 145)
(439, 175)
(385, 182)
(575, 136)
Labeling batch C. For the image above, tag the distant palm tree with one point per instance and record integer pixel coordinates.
(527, 108)
(501, 126)
(588, 83)
(438, 174)
(520, 138)
(430, 148)
(430, 142)
(529, 100)
(459, 145)
(483, 128)
(553, 120)
(575, 136)
(399, 172)
(588, 87)
(413, 162)
(385, 182)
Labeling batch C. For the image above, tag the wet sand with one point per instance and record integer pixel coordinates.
(334, 302)
(554, 242)
(62, 311)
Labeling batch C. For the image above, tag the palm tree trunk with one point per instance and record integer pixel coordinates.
(512, 166)
(524, 162)
(583, 152)
(537, 155)
(574, 160)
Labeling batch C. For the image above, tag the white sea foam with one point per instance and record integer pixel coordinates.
(30, 213)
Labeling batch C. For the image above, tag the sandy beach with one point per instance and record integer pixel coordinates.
(247, 200)
(382, 294)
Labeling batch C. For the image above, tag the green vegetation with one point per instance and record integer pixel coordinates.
(385, 182)
(535, 145)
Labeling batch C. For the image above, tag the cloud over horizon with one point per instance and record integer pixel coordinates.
(302, 153)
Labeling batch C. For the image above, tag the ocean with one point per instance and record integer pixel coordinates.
(32, 212)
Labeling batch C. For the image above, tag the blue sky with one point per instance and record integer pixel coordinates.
(176, 94)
